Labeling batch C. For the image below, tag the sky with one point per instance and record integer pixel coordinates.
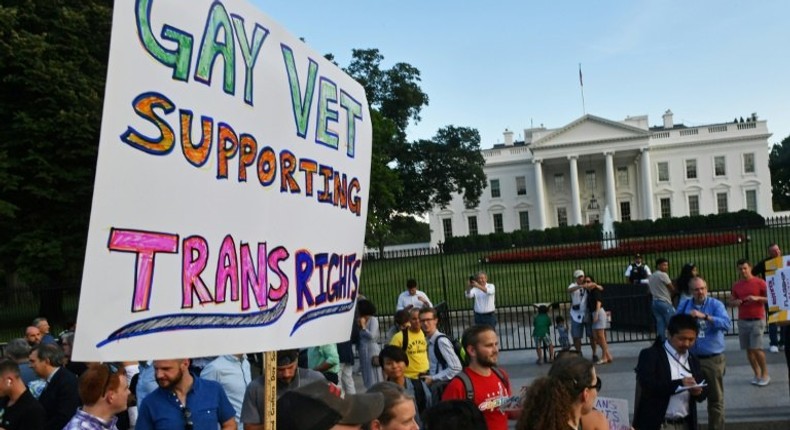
(512, 64)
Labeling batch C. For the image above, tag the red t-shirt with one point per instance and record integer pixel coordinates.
(753, 286)
(491, 395)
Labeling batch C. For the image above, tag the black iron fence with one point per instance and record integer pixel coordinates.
(526, 277)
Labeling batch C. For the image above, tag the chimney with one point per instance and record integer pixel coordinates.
(508, 137)
(668, 119)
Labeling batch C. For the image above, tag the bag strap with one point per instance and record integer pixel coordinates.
(438, 351)
(419, 394)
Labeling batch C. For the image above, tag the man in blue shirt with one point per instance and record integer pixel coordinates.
(233, 373)
(184, 401)
(713, 321)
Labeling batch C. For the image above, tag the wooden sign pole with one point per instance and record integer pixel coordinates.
(270, 390)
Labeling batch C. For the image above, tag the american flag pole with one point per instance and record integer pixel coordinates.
(581, 85)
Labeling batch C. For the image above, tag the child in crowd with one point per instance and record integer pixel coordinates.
(541, 326)
(562, 333)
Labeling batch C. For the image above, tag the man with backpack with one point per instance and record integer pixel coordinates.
(482, 382)
(442, 354)
(412, 340)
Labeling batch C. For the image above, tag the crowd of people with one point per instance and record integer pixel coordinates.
(416, 377)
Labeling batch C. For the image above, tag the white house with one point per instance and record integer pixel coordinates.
(569, 175)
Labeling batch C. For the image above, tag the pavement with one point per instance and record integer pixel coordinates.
(746, 406)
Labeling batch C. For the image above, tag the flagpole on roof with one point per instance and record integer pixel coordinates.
(581, 86)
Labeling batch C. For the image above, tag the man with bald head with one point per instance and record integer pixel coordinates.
(32, 335)
(179, 398)
(42, 325)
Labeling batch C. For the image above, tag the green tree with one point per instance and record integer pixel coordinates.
(409, 178)
(53, 60)
(779, 164)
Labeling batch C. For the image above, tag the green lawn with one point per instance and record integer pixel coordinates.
(443, 277)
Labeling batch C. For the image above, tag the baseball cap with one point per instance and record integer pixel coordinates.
(320, 405)
(578, 273)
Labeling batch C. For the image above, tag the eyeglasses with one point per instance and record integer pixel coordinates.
(111, 370)
(597, 385)
(187, 417)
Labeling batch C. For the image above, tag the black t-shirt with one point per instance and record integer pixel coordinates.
(25, 414)
(594, 295)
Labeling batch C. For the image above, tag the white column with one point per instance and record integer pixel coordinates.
(611, 200)
(647, 186)
(576, 210)
(540, 197)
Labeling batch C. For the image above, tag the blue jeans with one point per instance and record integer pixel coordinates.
(662, 311)
(486, 319)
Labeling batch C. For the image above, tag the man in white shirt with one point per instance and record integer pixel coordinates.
(580, 317)
(412, 298)
(670, 380)
(482, 292)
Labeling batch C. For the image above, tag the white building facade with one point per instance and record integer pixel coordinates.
(570, 175)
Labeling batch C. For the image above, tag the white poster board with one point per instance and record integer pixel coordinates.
(615, 411)
(231, 188)
(775, 292)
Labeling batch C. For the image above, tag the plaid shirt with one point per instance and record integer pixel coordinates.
(85, 421)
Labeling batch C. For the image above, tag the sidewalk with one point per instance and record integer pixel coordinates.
(746, 406)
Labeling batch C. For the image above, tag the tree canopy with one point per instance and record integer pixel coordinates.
(53, 60)
(779, 164)
(409, 178)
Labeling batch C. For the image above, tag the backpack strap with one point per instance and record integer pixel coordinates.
(438, 351)
(405, 343)
(501, 375)
(467, 382)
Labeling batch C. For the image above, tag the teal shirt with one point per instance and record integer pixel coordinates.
(318, 354)
(541, 326)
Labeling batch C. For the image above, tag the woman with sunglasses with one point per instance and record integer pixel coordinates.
(558, 401)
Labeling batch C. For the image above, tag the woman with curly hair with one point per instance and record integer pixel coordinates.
(558, 401)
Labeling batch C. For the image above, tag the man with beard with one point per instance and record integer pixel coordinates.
(184, 401)
(289, 377)
(32, 336)
(482, 382)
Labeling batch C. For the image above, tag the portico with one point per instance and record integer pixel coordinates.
(589, 145)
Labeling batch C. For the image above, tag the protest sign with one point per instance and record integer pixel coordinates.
(616, 412)
(231, 188)
(779, 295)
(774, 294)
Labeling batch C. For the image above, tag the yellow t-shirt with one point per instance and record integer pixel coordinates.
(416, 350)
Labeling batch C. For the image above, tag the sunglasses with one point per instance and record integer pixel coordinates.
(111, 370)
(597, 385)
(187, 418)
